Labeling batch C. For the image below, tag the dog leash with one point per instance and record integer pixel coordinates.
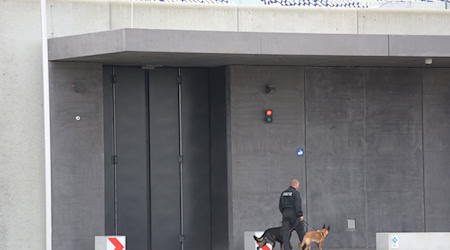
(304, 221)
(296, 223)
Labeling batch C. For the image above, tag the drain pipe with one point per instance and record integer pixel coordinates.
(46, 92)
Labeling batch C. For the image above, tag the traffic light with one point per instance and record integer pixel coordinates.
(269, 115)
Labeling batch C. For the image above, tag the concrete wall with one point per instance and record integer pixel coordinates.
(219, 162)
(335, 153)
(364, 149)
(22, 213)
(77, 155)
(364, 134)
(264, 155)
(81, 16)
(436, 127)
(393, 157)
(22, 190)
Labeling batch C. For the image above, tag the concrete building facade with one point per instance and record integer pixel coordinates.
(373, 119)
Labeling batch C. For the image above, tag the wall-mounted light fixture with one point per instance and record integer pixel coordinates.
(269, 88)
(78, 87)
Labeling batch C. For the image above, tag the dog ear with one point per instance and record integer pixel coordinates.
(323, 226)
(329, 227)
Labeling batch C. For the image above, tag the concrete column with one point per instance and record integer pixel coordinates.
(78, 203)
(22, 193)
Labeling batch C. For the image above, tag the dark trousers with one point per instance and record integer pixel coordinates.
(291, 222)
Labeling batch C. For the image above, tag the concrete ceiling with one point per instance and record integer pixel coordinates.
(213, 60)
(210, 49)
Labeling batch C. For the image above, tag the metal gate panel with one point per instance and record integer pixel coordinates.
(148, 172)
(132, 158)
(196, 150)
(164, 171)
(108, 151)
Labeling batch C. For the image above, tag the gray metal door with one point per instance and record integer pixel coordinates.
(126, 175)
(164, 151)
(148, 206)
(196, 150)
(164, 167)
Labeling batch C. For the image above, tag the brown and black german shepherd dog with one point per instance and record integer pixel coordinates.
(318, 237)
(271, 236)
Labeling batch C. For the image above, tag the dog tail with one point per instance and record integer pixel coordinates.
(302, 243)
(258, 239)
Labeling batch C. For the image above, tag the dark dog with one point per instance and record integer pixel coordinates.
(271, 236)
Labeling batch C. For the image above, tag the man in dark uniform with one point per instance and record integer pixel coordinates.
(291, 208)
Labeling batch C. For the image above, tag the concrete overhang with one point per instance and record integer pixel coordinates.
(216, 48)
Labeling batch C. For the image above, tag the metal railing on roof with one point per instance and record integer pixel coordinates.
(426, 4)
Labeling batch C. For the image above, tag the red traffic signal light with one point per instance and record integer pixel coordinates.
(268, 115)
